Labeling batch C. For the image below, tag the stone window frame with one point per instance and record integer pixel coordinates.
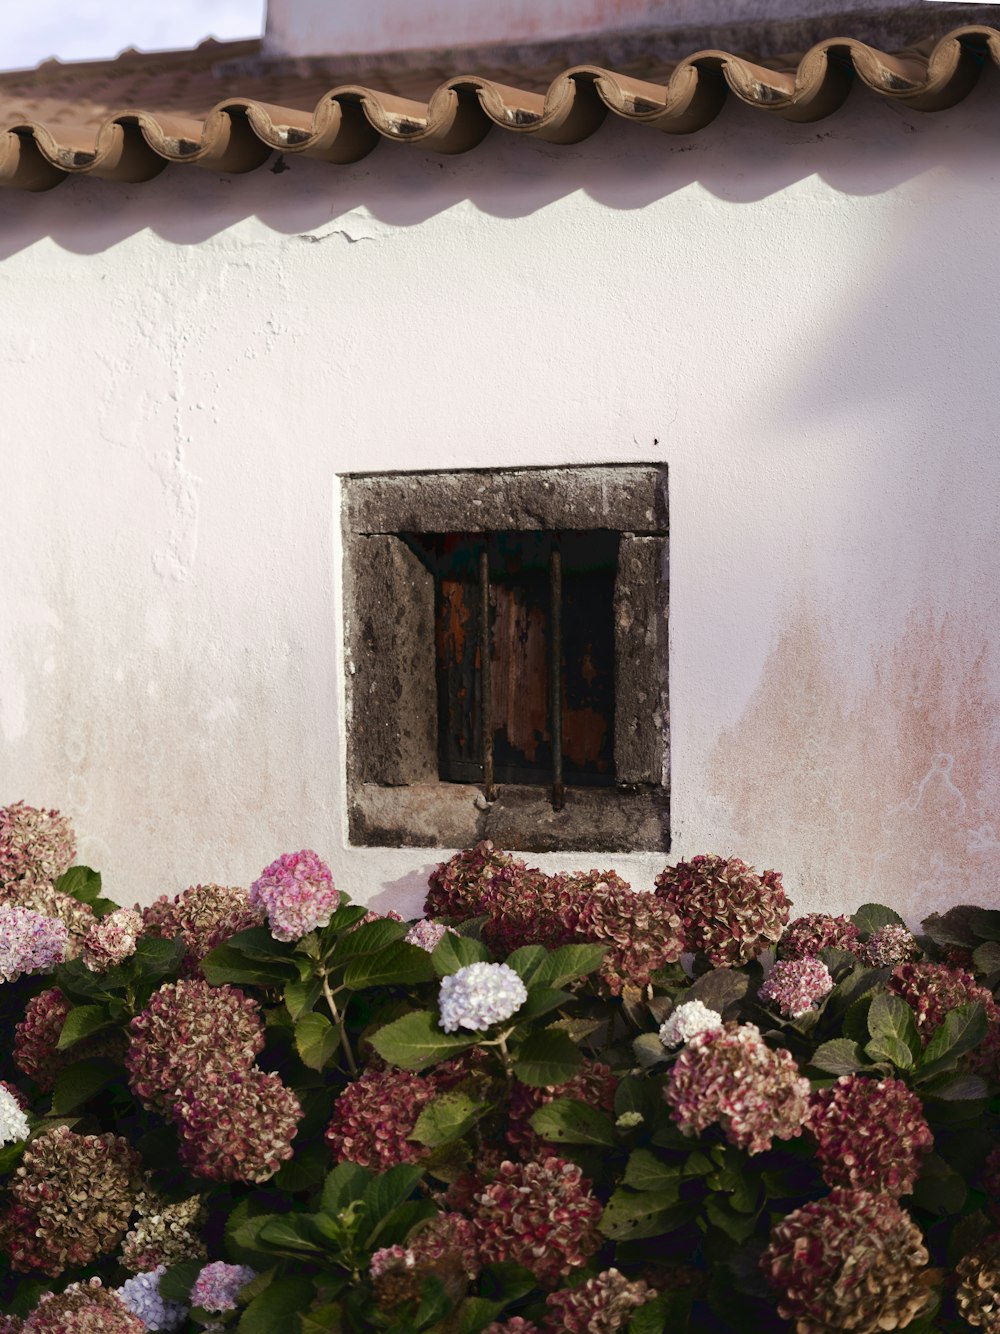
(395, 798)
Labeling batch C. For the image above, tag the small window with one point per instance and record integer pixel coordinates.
(555, 736)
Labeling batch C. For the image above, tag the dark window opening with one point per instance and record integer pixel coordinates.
(535, 598)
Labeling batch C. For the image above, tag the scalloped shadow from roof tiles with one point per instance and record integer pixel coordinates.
(55, 123)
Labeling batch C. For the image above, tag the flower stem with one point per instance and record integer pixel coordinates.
(344, 1040)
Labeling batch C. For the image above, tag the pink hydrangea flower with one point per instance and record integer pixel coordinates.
(427, 934)
(112, 940)
(871, 1134)
(29, 943)
(890, 946)
(297, 893)
(796, 985)
(604, 1303)
(218, 1285)
(389, 1258)
(731, 1078)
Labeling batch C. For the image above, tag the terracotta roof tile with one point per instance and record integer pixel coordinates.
(220, 106)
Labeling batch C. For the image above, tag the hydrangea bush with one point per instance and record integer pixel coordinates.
(554, 1103)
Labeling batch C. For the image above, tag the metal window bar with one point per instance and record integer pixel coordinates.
(555, 600)
(486, 673)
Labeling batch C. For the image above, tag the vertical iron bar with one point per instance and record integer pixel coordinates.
(486, 673)
(555, 598)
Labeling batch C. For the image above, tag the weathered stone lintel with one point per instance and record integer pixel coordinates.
(453, 815)
(628, 498)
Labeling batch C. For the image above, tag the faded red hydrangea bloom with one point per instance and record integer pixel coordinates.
(70, 1200)
(36, 846)
(84, 1308)
(728, 912)
(729, 1077)
(203, 916)
(35, 1038)
(850, 1261)
(457, 885)
(594, 1084)
(539, 909)
(890, 946)
(932, 991)
(540, 1215)
(978, 1293)
(815, 931)
(601, 1305)
(112, 940)
(236, 1125)
(871, 1134)
(188, 1032)
(375, 1115)
(796, 985)
(449, 1240)
(516, 1324)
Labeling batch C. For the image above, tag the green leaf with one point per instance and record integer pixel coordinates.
(227, 964)
(316, 1040)
(346, 1183)
(447, 1118)
(289, 1234)
(455, 952)
(398, 964)
(850, 988)
(176, 1284)
(645, 1171)
(956, 1088)
(83, 883)
(256, 942)
(568, 963)
(542, 1000)
(527, 961)
(840, 1056)
(963, 1028)
(81, 1080)
(385, 1193)
(890, 1049)
(346, 916)
(569, 1121)
(301, 995)
(670, 1311)
(871, 917)
(155, 957)
(372, 938)
(631, 1216)
(474, 1315)
(718, 988)
(325, 1319)
(892, 1024)
(80, 1023)
(11, 1155)
(940, 1189)
(986, 959)
(277, 1306)
(737, 1225)
(547, 1058)
(986, 923)
(649, 1050)
(417, 1040)
(305, 1170)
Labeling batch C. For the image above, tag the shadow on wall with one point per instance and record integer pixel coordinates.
(890, 797)
(868, 146)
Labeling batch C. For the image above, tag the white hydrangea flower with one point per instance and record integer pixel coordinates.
(687, 1021)
(141, 1295)
(478, 995)
(14, 1128)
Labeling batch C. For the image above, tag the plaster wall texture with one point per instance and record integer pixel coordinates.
(315, 27)
(799, 320)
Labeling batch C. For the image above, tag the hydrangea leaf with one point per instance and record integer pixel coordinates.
(81, 1021)
(645, 1171)
(840, 1056)
(316, 1040)
(301, 995)
(80, 1081)
(956, 1088)
(649, 1050)
(447, 1118)
(871, 917)
(277, 1306)
(570, 1121)
(527, 962)
(455, 952)
(398, 964)
(227, 964)
(347, 1182)
(541, 1000)
(473, 1316)
(939, 1188)
(83, 883)
(176, 1284)
(417, 1040)
(718, 989)
(568, 963)
(986, 923)
(371, 938)
(964, 1028)
(289, 1234)
(547, 1058)
(631, 1215)
(986, 959)
(386, 1192)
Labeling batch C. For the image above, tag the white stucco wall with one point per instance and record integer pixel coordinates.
(801, 321)
(312, 27)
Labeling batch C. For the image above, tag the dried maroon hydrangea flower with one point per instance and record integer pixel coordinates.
(70, 1201)
(731, 1078)
(890, 946)
(515, 1324)
(728, 912)
(815, 931)
(932, 991)
(112, 940)
(297, 893)
(538, 909)
(540, 1215)
(203, 916)
(163, 1233)
(446, 1242)
(11, 1324)
(190, 1031)
(850, 1261)
(593, 1084)
(84, 1308)
(796, 985)
(602, 1305)
(978, 1293)
(457, 885)
(35, 1038)
(871, 1134)
(375, 1115)
(444, 1246)
(36, 846)
(236, 1125)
